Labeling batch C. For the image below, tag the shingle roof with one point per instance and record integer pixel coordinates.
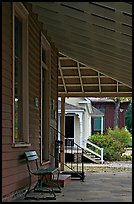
(96, 112)
(69, 106)
(94, 99)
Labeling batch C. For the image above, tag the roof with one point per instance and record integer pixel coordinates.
(94, 40)
(96, 112)
(70, 107)
(93, 99)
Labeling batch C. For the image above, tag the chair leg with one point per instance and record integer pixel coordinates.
(28, 190)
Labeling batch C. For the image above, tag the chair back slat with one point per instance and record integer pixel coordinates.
(31, 155)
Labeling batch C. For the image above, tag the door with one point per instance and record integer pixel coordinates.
(69, 130)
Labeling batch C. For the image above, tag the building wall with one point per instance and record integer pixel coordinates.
(77, 130)
(14, 171)
(109, 114)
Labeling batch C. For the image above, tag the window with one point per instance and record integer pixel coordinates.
(20, 76)
(45, 99)
(102, 109)
(97, 124)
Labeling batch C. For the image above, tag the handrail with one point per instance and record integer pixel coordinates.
(93, 144)
(72, 148)
(100, 148)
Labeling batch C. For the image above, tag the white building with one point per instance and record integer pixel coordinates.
(78, 114)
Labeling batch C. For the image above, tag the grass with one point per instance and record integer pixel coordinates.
(107, 169)
(101, 168)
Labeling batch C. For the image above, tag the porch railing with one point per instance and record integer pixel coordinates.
(88, 143)
(72, 150)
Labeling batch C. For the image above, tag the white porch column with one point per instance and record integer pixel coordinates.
(90, 126)
(102, 125)
(62, 130)
(81, 130)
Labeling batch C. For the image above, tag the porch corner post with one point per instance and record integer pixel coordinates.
(62, 130)
(102, 125)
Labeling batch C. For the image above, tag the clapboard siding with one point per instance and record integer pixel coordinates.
(14, 171)
(54, 74)
(6, 116)
(7, 83)
(7, 189)
(109, 114)
(6, 91)
(6, 74)
(6, 132)
(7, 100)
(6, 108)
(6, 141)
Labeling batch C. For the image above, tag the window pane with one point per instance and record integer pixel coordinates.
(103, 111)
(43, 55)
(18, 80)
(97, 124)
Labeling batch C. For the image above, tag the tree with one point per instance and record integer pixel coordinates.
(117, 107)
(116, 112)
(128, 118)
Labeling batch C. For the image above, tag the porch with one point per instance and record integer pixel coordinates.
(97, 187)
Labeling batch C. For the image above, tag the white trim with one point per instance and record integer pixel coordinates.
(102, 124)
(47, 66)
(81, 130)
(20, 11)
(74, 128)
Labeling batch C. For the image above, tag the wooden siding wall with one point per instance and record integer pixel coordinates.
(14, 171)
(109, 115)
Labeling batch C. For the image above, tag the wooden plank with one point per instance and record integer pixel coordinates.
(73, 17)
(6, 131)
(6, 99)
(7, 83)
(6, 124)
(97, 56)
(19, 177)
(120, 6)
(107, 70)
(84, 29)
(96, 46)
(6, 91)
(8, 189)
(6, 142)
(6, 116)
(7, 108)
(93, 7)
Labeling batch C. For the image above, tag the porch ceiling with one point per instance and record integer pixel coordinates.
(97, 36)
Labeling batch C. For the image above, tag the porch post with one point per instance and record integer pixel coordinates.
(81, 135)
(102, 125)
(62, 130)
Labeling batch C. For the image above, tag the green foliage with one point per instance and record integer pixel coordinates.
(113, 143)
(126, 157)
(112, 149)
(121, 135)
(128, 118)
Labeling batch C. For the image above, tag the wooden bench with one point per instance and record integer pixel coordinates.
(45, 178)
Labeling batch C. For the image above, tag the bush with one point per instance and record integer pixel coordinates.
(113, 148)
(126, 157)
(121, 135)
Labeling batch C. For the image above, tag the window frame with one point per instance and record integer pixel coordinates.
(21, 12)
(47, 67)
(96, 120)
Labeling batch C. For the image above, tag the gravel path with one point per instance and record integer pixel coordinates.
(118, 164)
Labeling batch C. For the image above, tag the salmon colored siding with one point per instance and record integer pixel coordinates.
(14, 171)
(109, 115)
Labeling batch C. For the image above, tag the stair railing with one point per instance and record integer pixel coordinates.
(93, 152)
(76, 164)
